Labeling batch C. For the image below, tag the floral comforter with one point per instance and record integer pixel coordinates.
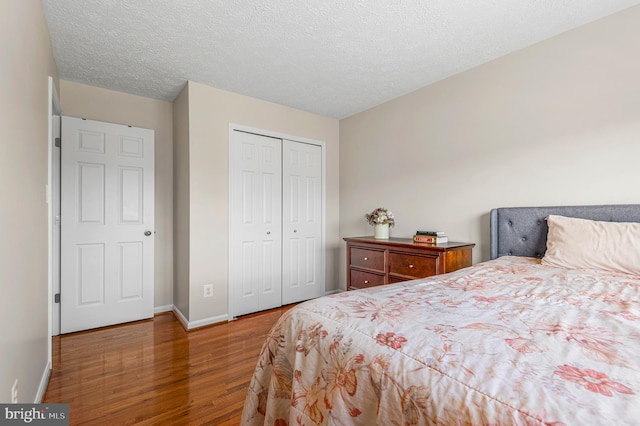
(504, 342)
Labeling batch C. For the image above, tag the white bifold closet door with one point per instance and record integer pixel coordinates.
(302, 276)
(255, 223)
(275, 232)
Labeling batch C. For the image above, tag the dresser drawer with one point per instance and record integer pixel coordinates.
(411, 265)
(360, 279)
(393, 280)
(366, 258)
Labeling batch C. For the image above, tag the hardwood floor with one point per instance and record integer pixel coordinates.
(155, 373)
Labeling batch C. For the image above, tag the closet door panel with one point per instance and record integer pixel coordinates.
(255, 246)
(302, 276)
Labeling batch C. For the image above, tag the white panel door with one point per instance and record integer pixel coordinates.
(255, 222)
(107, 224)
(302, 247)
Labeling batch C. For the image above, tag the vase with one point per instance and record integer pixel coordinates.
(381, 231)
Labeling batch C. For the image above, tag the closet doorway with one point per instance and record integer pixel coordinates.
(276, 220)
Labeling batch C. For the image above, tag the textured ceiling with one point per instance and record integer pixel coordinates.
(331, 57)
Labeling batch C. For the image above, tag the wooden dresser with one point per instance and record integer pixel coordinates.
(372, 262)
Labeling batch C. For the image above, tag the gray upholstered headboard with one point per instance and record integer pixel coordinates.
(522, 231)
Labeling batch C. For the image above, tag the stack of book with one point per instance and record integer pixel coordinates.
(431, 237)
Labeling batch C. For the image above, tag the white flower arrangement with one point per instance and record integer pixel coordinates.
(380, 216)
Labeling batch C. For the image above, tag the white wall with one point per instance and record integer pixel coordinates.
(93, 103)
(553, 124)
(181, 208)
(210, 113)
(25, 64)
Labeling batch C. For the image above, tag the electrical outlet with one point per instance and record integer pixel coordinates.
(14, 392)
(208, 290)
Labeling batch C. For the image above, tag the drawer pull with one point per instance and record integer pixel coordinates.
(411, 266)
(366, 258)
(366, 281)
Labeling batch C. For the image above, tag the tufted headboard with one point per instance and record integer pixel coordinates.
(522, 231)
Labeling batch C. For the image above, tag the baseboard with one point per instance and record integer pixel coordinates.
(326, 293)
(161, 309)
(44, 382)
(190, 325)
(181, 318)
(208, 321)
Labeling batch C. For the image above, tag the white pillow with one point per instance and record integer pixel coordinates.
(588, 244)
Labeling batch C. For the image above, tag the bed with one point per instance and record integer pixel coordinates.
(515, 340)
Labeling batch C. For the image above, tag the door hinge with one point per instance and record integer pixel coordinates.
(56, 298)
(58, 143)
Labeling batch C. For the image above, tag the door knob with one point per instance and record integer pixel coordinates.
(147, 233)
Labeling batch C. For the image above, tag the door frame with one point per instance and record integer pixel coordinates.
(262, 132)
(53, 198)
